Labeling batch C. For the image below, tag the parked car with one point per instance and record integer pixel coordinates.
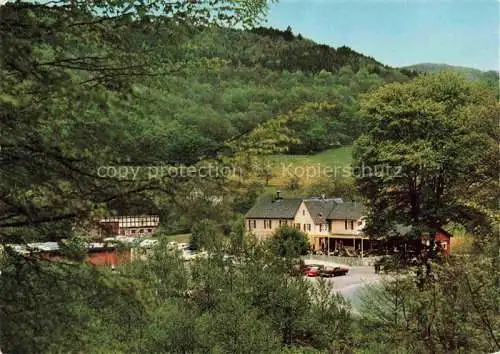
(330, 271)
(313, 271)
(341, 270)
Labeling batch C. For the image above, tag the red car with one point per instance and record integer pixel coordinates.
(312, 272)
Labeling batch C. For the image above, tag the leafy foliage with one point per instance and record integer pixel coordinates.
(206, 234)
(65, 307)
(487, 78)
(289, 242)
(453, 310)
(71, 106)
(90, 88)
(438, 137)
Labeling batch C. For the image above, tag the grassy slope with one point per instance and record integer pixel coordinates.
(333, 158)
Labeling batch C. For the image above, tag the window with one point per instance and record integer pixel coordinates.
(352, 224)
(303, 212)
(133, 231)
(150, 230)
(268, 224)
(346, 224)
(255, 224)
(308, 227)
(297, 226)
(141, 231)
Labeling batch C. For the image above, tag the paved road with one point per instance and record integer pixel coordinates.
(351, 285)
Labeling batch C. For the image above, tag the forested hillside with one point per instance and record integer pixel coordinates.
(149, 91)
(229, 85)
(489, 78)
(244, 78)
(98, 97)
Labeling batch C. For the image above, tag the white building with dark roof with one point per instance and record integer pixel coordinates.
(332, 225)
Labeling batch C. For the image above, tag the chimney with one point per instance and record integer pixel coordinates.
(278, 195)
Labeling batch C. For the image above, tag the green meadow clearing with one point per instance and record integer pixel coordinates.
(308, 168)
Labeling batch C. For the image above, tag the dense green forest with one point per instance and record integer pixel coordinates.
(490, 76)
(96, 96)
(157, 93)
(245, 78)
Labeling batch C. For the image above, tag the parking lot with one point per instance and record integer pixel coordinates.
(351, 285)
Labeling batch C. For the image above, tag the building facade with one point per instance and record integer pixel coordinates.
(130, 226)
(110, 253)
(334, 227)
(267, 216)
(331, 224)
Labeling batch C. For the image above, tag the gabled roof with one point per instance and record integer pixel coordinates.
(443, 231)
(271, 208)
(320, 209)
(347, 211)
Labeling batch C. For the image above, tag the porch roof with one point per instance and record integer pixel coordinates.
(341, 236)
